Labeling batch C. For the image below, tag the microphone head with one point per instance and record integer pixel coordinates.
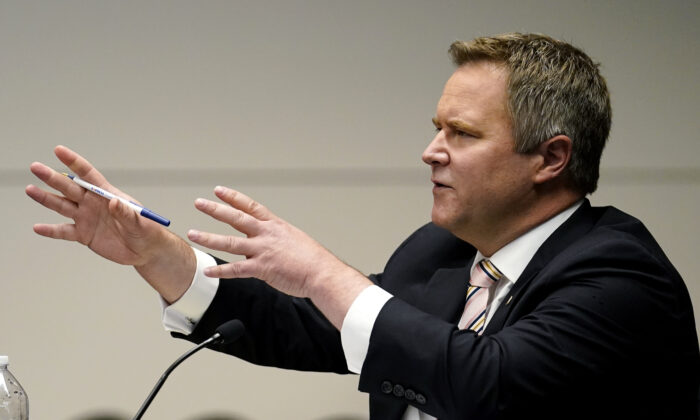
(230, 331)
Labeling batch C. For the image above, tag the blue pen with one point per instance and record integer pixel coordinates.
(143, 211)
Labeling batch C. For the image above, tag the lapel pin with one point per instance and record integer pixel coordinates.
(509, 299)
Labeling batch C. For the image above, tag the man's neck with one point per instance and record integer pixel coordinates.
(529, 218)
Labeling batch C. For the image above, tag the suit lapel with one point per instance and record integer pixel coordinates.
(574, 228)
(445, 293)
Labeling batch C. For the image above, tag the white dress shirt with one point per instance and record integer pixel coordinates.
(183, 315)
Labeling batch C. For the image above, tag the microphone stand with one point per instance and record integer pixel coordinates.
(165, 375)
(227, 332)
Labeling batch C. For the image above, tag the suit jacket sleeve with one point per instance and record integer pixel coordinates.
(281, 330)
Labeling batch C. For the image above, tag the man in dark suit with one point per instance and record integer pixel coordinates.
(570, 311)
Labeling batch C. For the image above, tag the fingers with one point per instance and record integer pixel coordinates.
(64, 231)
(60, 205)
(239, 220)
(234, 270)
(244, 203)
(56, 181)
(79, 166)
(232, 244)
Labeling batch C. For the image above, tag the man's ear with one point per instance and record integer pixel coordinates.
(555, 155)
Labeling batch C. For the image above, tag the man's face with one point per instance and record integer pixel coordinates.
(480, 182)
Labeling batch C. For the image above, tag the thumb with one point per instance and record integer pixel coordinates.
(125, 215)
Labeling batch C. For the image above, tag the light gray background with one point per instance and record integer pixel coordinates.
(320, 110)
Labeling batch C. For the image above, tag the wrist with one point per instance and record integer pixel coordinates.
(335, 289)
(169, 267)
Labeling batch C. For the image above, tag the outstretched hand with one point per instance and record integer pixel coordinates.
(110, 228)
(279, 254)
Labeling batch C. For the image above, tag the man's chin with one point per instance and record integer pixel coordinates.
(440, 220)
(447, 221)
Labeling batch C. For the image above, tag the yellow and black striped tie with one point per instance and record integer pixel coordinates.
(484, 276)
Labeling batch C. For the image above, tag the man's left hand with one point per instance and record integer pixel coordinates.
(279, 254)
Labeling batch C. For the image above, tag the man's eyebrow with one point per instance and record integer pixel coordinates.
(463, 126)
(459, 125)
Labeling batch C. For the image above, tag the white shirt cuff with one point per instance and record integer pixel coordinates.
(183, 315)
(358, 324)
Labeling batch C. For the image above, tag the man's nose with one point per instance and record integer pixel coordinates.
(436, 153)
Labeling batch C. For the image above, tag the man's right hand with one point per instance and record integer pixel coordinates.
(110, 228)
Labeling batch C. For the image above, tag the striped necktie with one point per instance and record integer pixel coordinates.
(484, 275)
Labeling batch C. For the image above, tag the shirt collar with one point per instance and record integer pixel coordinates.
(512, 259)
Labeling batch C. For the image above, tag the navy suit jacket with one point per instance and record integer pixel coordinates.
(599, 325)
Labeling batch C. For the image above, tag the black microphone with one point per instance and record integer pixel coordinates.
(227, 332)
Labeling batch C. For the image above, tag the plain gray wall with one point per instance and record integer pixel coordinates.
(318, 109)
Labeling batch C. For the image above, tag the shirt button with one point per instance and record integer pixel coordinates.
(387, 388)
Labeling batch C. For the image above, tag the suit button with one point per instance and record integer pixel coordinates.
(398, 390)
(409, 395)
(387, 388)
(420, 399)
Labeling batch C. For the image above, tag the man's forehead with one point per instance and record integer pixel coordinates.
(474, 97)
(476, 77)
(477, 86)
